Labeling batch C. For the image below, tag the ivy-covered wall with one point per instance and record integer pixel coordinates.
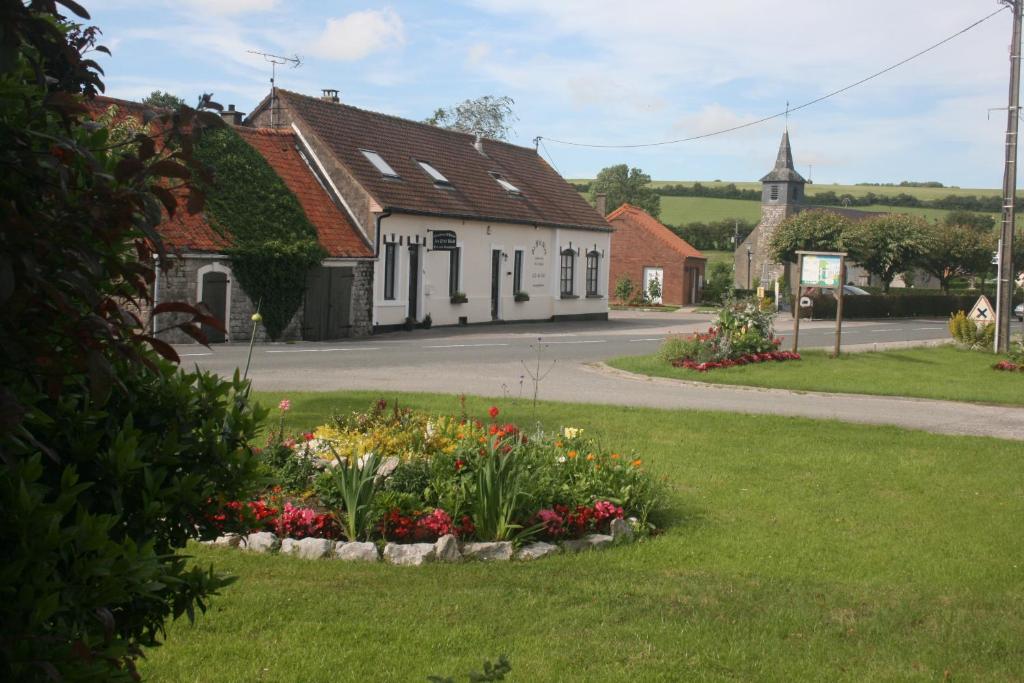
(273, 243)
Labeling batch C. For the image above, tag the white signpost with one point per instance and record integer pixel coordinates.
(826, 270)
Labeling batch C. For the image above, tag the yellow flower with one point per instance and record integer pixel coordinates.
(571, 432)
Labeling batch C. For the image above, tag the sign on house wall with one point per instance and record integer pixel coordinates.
(443, 240)
(539, 253)
(822, 270)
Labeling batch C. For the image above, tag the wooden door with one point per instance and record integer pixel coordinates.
(328, 304)
(215, 297)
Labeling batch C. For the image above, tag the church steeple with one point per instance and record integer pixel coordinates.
(783, 185)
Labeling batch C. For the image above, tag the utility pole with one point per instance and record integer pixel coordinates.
(1006, 280)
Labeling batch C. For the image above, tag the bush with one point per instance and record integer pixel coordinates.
(743, 332)
(891, 305)
(624, 289)
(719, 282)
(970, 334)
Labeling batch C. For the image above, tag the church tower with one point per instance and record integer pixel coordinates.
(782, 195)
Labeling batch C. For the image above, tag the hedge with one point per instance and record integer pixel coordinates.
(894, 305)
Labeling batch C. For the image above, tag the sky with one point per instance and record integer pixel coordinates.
(612, 73)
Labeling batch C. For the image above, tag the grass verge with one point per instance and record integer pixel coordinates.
(803, 550)
(943, 372)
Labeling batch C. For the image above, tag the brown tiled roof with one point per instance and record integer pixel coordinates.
(335, 230)
(634, 216)
(186, 232)
(546, 199)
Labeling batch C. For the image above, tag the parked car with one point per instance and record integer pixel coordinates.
(1018, 312)
(848, 290)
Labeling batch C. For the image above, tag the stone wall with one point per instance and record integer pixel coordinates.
(180, 282)
(763, 269)
(362, 299)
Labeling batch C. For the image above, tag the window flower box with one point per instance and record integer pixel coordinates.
(459, 298)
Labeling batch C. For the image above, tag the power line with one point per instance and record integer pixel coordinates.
(788, 109)
(548, 155)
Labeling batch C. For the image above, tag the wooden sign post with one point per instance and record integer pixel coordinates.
(825, 270)
(798, 306)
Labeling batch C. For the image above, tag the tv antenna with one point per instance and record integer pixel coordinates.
(275, 61)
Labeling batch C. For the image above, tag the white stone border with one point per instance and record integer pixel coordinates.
(445, 549)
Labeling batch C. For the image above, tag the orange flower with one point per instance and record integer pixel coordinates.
(590, 457)
(615, 456)
(637, 462)
(558, 444)
(482, 440)
(572, 454)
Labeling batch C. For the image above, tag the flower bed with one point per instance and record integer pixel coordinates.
(745, 359)
(391, 476)
(1008, 366)
(742, 334)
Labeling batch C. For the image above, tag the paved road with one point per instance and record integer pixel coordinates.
(489, 361)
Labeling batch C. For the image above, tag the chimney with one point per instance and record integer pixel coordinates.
(231, 116)
(330, 95)
(602, 203)
(478, 144)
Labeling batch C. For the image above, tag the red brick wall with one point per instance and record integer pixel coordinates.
(633, 250)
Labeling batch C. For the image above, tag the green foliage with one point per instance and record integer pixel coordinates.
(813, 230)
(653, 292)
(715, 235)
(163, 100)
(625, 185)
(902, 305)
(488, 116)
(624, 289)
(887, 245)
(498, 493)
(970, 334)
(273, 243)
(719, 282)
(349, 488)
(954, 249)
(743, 327)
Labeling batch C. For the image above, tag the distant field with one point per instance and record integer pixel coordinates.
(680, 210)
(725, 257)
(855, 190)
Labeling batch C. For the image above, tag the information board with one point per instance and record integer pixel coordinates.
(821, 271)
(444, 240)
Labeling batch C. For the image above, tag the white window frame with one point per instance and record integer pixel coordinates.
(379, 163)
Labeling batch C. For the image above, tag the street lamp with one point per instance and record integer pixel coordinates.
(749, 256)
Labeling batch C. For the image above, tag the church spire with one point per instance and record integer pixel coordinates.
(784, 171)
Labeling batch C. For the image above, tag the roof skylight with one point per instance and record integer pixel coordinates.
(509, 187)
(434, 173)
(379, 163)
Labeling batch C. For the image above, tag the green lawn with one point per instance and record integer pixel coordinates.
(802, 550)
(941, 372)
(725, 257)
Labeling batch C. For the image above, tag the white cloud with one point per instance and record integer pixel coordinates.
(477, 52)
(359, 34)
(230, 7)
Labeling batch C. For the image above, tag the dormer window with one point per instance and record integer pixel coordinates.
(508, 187)
(436, 175)
(379, 163)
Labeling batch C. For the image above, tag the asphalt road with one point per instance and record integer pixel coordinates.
(626, 333)
(491, 361)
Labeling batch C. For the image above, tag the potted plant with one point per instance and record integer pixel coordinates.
(521, 296)
(459, 298)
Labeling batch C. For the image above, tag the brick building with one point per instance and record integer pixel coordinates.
(643, 249)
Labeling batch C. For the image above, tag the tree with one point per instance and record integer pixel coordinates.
(814, 230)
(978, 222)
(952, 250)
(163, 100)
(488, 116)
(625, 185)
(112, 457)
(887, 245)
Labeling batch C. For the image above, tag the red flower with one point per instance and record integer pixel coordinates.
(493, 412)
(308, 436)
(459, 464)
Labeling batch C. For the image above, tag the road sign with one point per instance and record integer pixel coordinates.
(805, 302)
(995, 258)
(982, 312)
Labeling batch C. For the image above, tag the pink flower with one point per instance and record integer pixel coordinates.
(284, 406)
(289, 443)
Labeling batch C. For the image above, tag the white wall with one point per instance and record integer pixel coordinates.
(541, 247)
